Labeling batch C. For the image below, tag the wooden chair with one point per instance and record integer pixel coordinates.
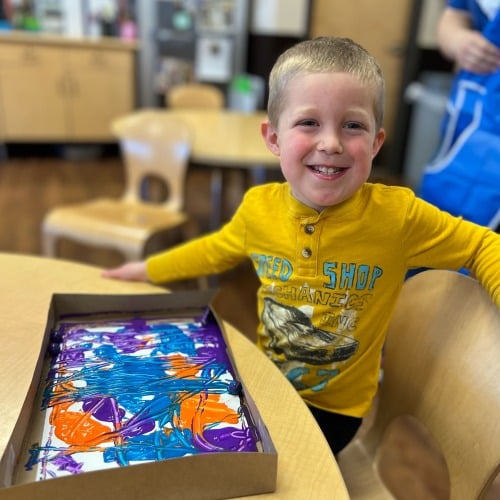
(155, 148)
(194, 95)
(441, 369)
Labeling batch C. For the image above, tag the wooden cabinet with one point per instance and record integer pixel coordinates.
(63, 91)
(381, 27)
(31, 92)
(100, 89)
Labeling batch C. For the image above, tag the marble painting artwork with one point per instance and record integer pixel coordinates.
(123, 391)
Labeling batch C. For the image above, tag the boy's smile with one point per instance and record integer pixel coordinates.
(326, 137)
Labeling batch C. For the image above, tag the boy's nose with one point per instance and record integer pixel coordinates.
(330, 143)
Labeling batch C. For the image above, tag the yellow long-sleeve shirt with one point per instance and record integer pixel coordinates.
(329, 280)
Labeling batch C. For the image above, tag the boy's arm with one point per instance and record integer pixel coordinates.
(185, 261)
(485, 264)
(131, 271)
(208, 254)
(436, 239)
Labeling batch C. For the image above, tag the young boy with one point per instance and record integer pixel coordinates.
(331, 250)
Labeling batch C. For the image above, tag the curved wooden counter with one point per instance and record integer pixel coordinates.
(306, 466)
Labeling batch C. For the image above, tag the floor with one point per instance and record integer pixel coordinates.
(30, 185)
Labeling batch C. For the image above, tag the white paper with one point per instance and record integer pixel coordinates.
(279, 17)
(213, 61)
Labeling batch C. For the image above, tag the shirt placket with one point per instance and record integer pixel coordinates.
(307, 247)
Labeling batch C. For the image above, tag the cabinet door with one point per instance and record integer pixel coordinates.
(32, 92)
(102, 84)
(381, 27)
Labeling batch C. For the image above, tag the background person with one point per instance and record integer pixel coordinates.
(464, 176)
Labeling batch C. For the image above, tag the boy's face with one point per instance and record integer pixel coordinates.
(326, 137)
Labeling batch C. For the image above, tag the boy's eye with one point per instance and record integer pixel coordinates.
(353, 125)
(308, 123)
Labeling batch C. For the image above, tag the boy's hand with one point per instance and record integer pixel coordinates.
(131, 271)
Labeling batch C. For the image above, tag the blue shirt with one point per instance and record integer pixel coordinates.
(479, 16)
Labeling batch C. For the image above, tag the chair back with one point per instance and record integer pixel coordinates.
(154, 146)
(195, 95)
(442, 367)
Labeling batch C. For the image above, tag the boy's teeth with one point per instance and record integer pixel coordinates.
(327, 170)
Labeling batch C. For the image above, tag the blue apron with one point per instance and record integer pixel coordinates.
(464, 176)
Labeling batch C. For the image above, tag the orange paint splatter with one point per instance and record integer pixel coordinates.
(201, 410)
(77, 428)
(182, 368)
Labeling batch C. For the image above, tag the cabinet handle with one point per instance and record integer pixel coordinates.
(67, 86)
(30, 54)
(99, 60)
(72, 88)
(61, 86)
(397, 50)
(75, 87)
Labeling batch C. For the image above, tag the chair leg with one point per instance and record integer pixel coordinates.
(190, 231)
(131, 254)
(203, 283)
(49, 244)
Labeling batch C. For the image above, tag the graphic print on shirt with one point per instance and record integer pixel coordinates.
(311, 354)
(292, 334)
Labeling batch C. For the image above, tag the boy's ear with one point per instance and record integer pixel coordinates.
(270, 136)
(377, 143)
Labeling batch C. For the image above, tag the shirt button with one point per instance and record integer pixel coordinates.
(306, 252)
(309, 229)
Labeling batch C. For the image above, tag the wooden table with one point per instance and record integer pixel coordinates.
(306, 466)
(225, 139)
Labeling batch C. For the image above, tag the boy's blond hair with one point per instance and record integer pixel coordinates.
(324, 55)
